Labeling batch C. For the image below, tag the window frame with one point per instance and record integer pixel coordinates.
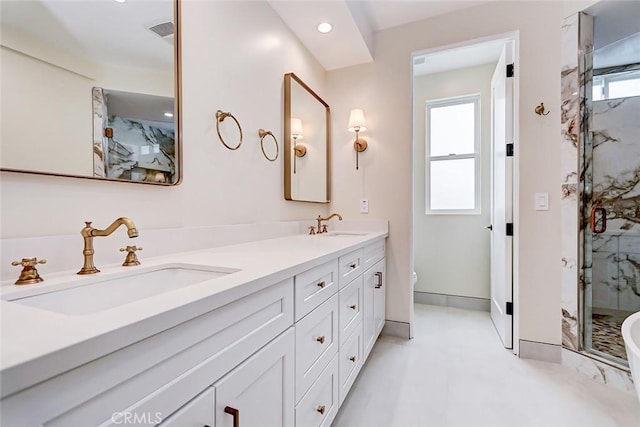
(606, 79)
(476, 155)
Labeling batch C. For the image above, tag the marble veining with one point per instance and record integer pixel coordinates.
(570, 118)
(99, 123)
(140, 151)
(599, 371)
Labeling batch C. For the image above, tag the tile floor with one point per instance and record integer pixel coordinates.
(455, 372)
(607, 334)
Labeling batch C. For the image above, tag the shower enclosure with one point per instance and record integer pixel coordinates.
(609, 191)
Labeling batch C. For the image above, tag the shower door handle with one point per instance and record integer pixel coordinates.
(489, 227)
(598, 219)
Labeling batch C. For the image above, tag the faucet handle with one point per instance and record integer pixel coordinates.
(29, 274)
(131, 258)
(312, 230)
(324, 228)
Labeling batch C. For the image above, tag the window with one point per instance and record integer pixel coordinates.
(618, 85)
(453, 155)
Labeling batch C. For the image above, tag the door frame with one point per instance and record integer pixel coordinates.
(515, 37)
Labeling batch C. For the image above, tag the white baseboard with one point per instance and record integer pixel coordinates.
(396, 329)
(540, 351)
(467, 303)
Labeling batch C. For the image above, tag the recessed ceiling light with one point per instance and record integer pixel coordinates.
(121, 1)
(325, 27)
(168, 114)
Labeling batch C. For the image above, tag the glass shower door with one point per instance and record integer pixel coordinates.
(611, 211)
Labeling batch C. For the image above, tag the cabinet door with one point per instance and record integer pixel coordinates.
(259, 392)
(373, 306)
(379, 297)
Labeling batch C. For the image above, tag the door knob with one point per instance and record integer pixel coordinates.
(489, 227)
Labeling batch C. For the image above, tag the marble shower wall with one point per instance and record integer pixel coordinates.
(616, 187)
(576, 84)
(574, 43)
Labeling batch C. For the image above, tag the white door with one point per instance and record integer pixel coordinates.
(260, 390)
(501, 197)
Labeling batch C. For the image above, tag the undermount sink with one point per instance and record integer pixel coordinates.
(103, 293)
(343, 233)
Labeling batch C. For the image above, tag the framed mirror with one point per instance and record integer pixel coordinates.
(91, 89)
(307, 143)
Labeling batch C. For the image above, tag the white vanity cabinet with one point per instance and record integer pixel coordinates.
(280, 354)
(145, 383)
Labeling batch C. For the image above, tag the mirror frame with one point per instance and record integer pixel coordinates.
(287, 138)
(177, 84)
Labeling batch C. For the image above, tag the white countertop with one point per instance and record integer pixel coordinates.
(38, 344)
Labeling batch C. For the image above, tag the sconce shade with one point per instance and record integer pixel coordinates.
(357, 121)
(296, 128)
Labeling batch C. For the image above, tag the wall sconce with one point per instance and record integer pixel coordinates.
(297, 134)
(357, 124)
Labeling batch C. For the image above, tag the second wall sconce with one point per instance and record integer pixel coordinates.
(357, 124)
(297, 134)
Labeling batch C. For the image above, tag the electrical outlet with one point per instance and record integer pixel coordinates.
(364, 206)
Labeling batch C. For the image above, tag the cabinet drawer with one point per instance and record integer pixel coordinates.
(315, 286)
(350, 266)
(373, 253)
(316, 344)
(350, 300)
(198, 412)
(350, 362)
(319, 406)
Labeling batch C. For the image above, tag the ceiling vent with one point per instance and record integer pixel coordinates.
(163, 29)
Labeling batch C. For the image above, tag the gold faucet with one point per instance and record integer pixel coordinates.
(88, 233)
(322, 228)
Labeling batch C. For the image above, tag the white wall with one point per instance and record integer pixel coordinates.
(382, 89)
(234, 57)
(451, 252)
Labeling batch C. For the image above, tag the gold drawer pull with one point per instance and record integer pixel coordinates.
(353, 265)
(379, 276)
(320, 339)
(352, 358)
(320, 408)
(321, 284)
(352, 307)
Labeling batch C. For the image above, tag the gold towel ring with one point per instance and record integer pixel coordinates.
(262, 133)
(220, 116)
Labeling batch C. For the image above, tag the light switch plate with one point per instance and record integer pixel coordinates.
(541, 201)
(364, 206)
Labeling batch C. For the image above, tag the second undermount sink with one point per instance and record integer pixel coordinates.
(102, 293)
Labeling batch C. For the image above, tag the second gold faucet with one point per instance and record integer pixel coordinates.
(322, 228)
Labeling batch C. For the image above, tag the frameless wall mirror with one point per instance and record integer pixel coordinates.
(307, 143)
(91, 89)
